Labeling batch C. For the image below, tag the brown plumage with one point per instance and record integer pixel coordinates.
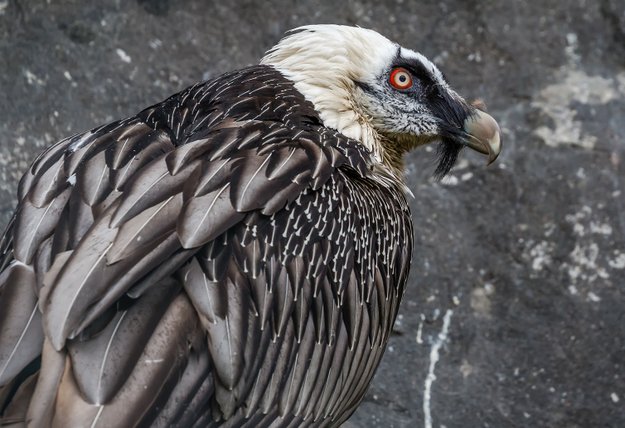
(202, 227)
(221, 258)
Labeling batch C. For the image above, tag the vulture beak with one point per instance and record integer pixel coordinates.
(483, 134)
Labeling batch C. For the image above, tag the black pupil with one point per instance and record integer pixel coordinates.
(402, 78)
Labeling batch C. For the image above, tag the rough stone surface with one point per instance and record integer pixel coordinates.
(514, 315)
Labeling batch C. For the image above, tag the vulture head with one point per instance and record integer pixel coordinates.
(389, 98)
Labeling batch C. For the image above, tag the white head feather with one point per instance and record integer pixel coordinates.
(325, 61)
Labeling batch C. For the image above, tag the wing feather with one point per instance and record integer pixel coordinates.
(145, 228)
(186, 389)
(163, 356)
(148, 187)
(93, 180)
(21, 335)
(35, 224)
(79, 218)
(263, 369)
(291, 390)
(39, 183)
(159, 145)
(126, 274)
(204, 218)
(199, 405)
(41, 409)
(210, 298)
(76, 283)
(102, 364)
(133, 139)
(226, 338)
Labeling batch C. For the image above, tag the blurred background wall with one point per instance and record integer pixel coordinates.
(515, 311)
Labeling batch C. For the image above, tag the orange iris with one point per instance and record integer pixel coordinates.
(400, 78)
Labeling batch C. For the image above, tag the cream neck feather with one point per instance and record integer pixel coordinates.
(324, 61)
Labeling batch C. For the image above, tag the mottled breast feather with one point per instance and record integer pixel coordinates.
(219, 258)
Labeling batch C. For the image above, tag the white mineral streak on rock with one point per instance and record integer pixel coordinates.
(420, 330)
(123, 55)
(33, 79)
(541, 255)
(617, 262)
(431, 377)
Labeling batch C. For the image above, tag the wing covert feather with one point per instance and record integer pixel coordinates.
(21, 335)
(102, 364)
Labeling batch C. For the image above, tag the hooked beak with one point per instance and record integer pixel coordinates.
(483, 134)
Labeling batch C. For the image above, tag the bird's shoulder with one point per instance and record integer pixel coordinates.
(242, 114)
(101, 211)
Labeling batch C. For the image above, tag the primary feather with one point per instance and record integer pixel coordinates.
(232, 256)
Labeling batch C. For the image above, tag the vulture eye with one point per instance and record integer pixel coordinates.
(400, 78)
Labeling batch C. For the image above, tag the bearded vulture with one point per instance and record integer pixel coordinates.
(232, 256)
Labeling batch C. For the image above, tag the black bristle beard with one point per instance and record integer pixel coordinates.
(452, 114)
(447, 155)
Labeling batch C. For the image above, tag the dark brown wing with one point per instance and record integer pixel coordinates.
(205, 260)
(298, 305)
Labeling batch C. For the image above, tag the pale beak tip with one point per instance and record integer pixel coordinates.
(485, 134)
(495, 148)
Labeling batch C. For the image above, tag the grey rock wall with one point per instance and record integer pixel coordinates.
(515, 311)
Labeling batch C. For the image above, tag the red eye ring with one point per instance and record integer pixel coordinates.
(400, 78)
